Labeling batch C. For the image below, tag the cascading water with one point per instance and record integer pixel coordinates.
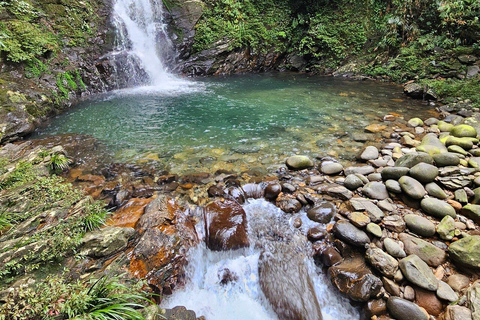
(143, 46)
(226, 285)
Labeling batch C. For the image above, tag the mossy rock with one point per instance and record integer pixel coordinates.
(463, 130)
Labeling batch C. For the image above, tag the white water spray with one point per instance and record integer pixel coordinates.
(143, 45)
(242, 298)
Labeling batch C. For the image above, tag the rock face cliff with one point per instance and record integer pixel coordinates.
(51, 55)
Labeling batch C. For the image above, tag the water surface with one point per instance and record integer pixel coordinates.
(237, 122)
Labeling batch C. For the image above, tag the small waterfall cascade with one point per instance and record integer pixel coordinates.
(226, 284)
(142, 46)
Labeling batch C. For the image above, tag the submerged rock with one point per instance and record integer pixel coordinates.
(225, 226)
(353, 278)
(322, 213)
(285, 280)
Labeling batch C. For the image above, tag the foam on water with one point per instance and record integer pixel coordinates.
(243, 298)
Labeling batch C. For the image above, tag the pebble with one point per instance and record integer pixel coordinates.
(394, 248)
(374, 229)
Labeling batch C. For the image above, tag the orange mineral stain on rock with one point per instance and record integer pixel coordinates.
(129, 214)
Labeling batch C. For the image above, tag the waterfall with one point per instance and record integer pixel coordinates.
(142, 46)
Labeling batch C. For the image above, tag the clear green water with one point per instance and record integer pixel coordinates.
(236, 123)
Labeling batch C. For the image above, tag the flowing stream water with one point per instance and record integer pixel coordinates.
(236, 123)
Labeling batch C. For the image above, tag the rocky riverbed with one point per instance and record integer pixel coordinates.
(397, 232)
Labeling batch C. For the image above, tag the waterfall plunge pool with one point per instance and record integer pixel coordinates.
(235, 123)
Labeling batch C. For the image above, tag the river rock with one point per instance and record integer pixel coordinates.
(457, 150)
(412, 187)
(393, 186)
(353, 278)
(330, 167)
(429, 301)
(225, 226)
(446, 159)
(417, 272)
(473, 299)
(419, 225)
(466, 251)
(437, 208)
(353, 182)
(375, 190)
(339, 192)
(286, 283)
(299, 162)
(415, 122)
(463, 130)
(435, 191)
(347, 232)
(322, 213)
(394, 248)
(374, 229)
(358, 219)
(431, 145)
(474, 162)
(458, 282)
(272, 191)
(374, 128)
(444, 126)
(106, 241)
(445, 292)
(464, 143)
(394, 173)
(472, 211)
(446, 228)
(410, 159)
(424, 172)
(382, 261)
(369, 153)
(394, 223)
(363, 170)
(288, 203)
(457, 313)
(426, 251)
(373, 211)
(403, 309)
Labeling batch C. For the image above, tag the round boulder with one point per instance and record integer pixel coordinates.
(299, 162)
(402, 309)
(463, 130)
(424, 172)
(437, 208)
(419, 225)
(375, 190)
(412, 187)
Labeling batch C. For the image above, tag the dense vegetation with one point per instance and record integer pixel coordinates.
(398, 39)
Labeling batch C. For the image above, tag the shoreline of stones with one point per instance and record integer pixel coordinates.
(405, 240)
